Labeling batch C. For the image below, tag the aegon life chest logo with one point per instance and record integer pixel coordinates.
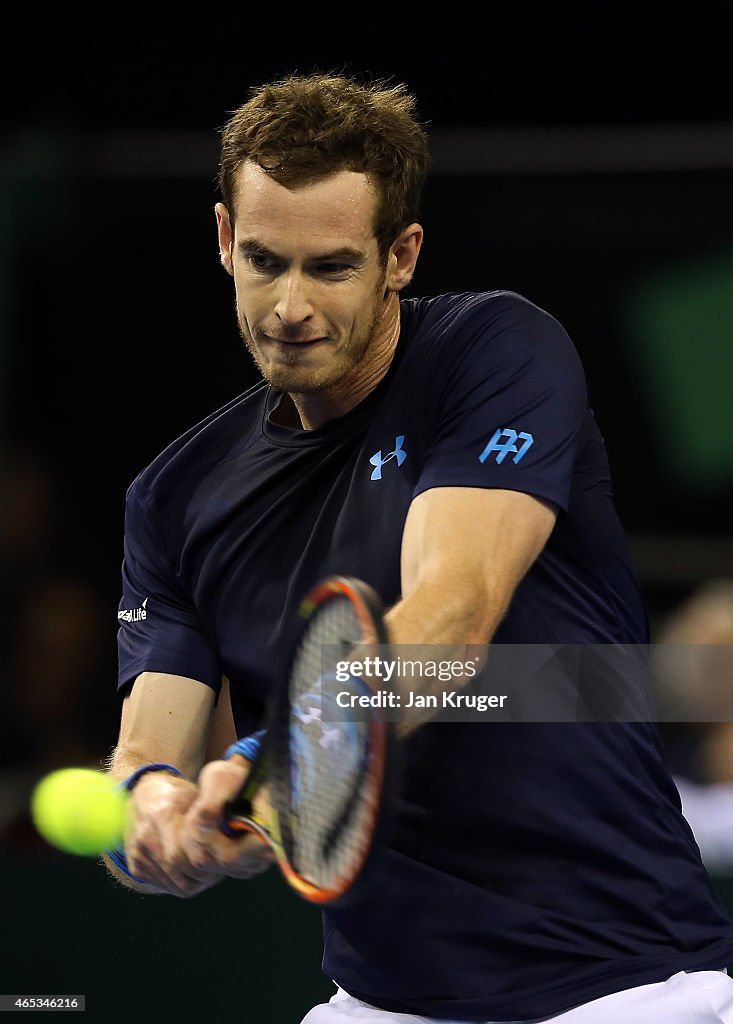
(378, 460)
(133, 614)
(504, 442)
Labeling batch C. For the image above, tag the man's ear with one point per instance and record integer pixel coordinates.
(402, 258)
(226, 237)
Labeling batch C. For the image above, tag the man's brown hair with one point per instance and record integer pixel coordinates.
(303, 128)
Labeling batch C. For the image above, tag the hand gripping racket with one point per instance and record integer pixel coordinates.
(327, 764)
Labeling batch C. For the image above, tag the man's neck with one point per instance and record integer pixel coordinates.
(316, 408)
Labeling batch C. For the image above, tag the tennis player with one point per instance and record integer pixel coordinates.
(443, 450)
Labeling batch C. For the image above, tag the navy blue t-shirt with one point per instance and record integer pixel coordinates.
(534, 866)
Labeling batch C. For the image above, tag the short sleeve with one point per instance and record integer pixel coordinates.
(512, 405)
(159, 629)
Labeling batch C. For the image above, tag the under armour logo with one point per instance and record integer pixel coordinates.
(509, 444)
(330, 736)
(377, 461)
(310, 714)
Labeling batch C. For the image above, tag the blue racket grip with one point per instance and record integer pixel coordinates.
(247, 746)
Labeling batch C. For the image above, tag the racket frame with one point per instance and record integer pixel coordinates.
(241, 818)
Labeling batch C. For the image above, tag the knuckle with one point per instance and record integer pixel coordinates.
(199, 858)
(206, 813)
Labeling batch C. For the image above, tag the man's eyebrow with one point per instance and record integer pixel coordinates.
(251, 247)
(344, 253)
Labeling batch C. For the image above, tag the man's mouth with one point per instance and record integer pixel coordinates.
(293, 343)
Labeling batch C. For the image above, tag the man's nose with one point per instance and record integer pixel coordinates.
(294, 304)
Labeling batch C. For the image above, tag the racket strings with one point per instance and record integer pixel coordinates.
(333, 793)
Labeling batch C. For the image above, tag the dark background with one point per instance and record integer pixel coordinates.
(584, 159)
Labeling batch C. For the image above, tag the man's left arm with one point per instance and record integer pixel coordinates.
(464, 552)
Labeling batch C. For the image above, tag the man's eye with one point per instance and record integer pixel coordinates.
(333, 269)
(259, 261)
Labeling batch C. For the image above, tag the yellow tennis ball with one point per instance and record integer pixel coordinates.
(80, 810)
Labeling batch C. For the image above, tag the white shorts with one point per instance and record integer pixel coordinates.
(701, 997)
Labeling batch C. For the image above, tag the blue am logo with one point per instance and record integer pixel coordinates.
(504, 442)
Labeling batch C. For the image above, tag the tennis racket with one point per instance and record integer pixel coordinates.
(326, 767)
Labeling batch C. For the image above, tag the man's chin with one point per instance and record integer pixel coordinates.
(294, 381)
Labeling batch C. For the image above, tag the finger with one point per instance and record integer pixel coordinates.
(201, 838)
(210, 850)
(239, 856)
(219, 782)
(205, 846)
(255, 863)
(171, 877)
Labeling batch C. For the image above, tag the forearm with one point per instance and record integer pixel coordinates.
(437, 625)
(464, 552)
(461, 611)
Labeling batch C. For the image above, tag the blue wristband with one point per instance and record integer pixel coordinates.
(247, 747)
(118, 857)
(132, 780)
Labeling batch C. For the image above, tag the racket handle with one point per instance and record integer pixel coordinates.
(238, 808)
(234, 827)
(247, 747)
(239, 815)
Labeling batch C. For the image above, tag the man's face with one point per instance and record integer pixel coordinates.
(308, 279)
